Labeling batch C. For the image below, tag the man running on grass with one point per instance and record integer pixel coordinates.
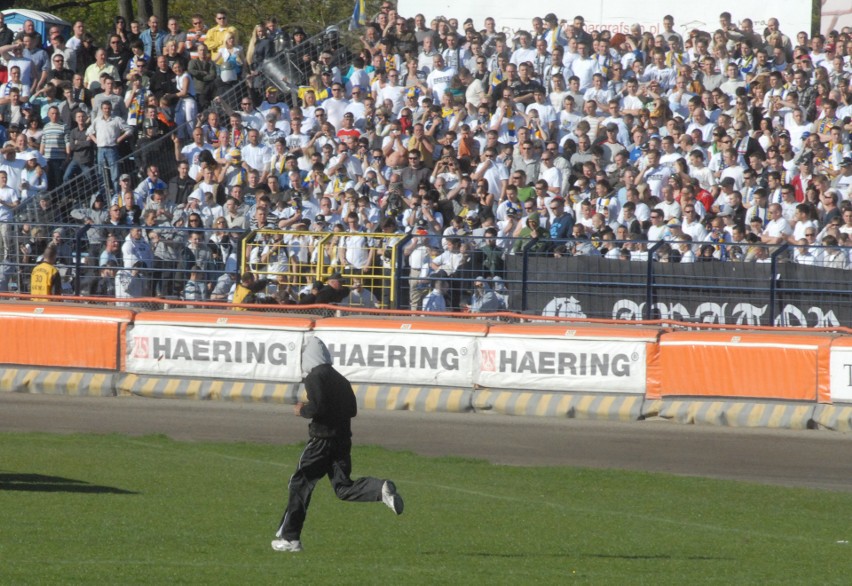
(331, 406)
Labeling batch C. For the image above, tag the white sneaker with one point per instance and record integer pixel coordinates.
(284, 545)
(391, 498)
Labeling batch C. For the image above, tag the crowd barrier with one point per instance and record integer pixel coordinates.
(722, 376)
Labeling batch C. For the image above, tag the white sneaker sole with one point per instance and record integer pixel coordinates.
(391, 498)
(284, 545)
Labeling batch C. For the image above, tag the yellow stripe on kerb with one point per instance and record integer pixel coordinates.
(501, 401)
(410, 396)
(606, 406)
(257, 390)
(543, 404)
(521, 403)
(564, 405)
(193, 389)
(49, 382)
(148, 387)
(171, 387)
(72, 385)
(714, 411)
(777, 415)
(734, 413)
(127, 382)
(8, 377)
(585, 403)
(433, 397)
(216, 389)
(391, 398)
(236, 389)
(370, 396)
(454, 401)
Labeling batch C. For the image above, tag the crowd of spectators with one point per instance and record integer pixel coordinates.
(555, 140)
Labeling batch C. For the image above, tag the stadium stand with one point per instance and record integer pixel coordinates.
(424, 165)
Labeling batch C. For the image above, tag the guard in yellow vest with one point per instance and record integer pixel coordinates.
(247, 288)
(45, 278)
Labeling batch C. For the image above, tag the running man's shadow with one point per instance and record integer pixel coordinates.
(41, 483)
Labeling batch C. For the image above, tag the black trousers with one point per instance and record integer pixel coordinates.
(321, 457)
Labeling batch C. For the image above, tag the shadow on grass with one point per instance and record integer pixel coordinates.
(489, 554)
(42, 483)
(615, 556)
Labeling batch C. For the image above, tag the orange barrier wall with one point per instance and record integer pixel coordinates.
(57, 335)
(785, 366)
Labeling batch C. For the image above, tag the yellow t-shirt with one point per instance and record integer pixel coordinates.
(44, 280)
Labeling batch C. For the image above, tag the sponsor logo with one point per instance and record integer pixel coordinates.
(227, 351)
(488, 360)
(726, 313)
(140, 347)
(563, 307)
(559, 363)
(392, 355)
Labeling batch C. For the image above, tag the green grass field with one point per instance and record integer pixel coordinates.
(119, 510)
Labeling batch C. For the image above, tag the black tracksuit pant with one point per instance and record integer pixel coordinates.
(321, 457)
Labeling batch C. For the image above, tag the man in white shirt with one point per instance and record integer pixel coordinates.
(584, 67)
(9, 200)
(335, 106)
(777, 229)
(658, 229)
(439, 78)
(191, 153)
(256, 155)
(525, 52)
(655, 174)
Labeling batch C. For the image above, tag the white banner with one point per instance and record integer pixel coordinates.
(401, 358)
(618, 15)
(840, 371)
(215, 352)
(602, 366)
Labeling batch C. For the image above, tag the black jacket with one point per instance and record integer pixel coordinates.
(331, 403)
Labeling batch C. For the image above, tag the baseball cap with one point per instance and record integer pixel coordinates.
(319, 219)
(124, 176)
(846, 162)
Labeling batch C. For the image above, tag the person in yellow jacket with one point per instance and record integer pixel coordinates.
(247, 288)
(216, 34)
(45, 278)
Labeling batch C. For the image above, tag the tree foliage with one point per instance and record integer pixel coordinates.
(98, 14)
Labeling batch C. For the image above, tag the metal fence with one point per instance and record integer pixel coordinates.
(752, 284)
(748, 284)
(295, 260)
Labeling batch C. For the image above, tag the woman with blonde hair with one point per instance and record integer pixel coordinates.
(230, 62)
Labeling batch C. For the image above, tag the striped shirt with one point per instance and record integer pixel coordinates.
(53, 140)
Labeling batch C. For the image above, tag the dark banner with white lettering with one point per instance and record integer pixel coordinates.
(707, 292)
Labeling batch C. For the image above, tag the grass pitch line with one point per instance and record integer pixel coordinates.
(611, 512)
(558, 506)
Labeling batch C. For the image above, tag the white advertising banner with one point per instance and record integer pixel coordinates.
(618, 15)
(215, 352)
(411, 358)
(603, 366)
(840, 372)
